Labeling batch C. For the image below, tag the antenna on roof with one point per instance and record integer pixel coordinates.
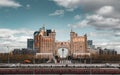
(43, 27)
(71, 29)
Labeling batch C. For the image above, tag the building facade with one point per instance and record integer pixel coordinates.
(106, 51)
(23, 51)
(78, 45)
(47, 47)
(90, 44)
(30, 44)
(44, 42)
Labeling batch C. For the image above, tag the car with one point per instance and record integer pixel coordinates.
(107, 65)
(12, 65)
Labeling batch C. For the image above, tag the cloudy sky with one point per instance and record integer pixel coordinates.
(99, 19)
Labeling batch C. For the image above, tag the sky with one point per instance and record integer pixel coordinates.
(99, 19)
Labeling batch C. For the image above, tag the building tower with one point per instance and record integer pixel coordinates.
(30, 44)
(78, 44)
(45, 42)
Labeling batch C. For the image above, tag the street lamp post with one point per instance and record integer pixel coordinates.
(62, 53)
(34, 58)
(90, 64)
(8, 54)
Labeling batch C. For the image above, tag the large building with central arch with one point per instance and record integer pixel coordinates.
(47, 47)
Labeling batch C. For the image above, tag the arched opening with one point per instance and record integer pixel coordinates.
(63, 52)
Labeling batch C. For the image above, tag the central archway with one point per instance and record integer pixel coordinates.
(65, 46)
(63, 52)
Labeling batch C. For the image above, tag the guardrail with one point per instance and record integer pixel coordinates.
(115, 66)
(59, 71)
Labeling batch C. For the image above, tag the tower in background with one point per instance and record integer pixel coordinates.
(30, 44)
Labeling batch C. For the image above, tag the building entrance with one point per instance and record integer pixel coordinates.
(63, 52)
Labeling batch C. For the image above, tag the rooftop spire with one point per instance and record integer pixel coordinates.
(43, 27)
(71, 29)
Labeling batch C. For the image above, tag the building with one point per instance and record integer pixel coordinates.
(30, 44)
(44, 42)
(78, 45)
(36, 40)
(90, 44)
(16, 51)
(23, 51)
(106, 51)
(47, 47)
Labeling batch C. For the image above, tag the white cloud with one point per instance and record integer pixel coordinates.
(109, 8)
(109, 11)
(9, 3)
(57, 13)
(88, 5)
(70, 9)
(95, 17)
(105, 10)
(101, 34)
(99, 22)
(8, 32)
(68, 3)
(117, 34)
(14, 38)
(28, 6)
(77, 17)
(79, 24)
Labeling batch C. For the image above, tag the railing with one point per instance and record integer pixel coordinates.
(95, 66)
(59, 71)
